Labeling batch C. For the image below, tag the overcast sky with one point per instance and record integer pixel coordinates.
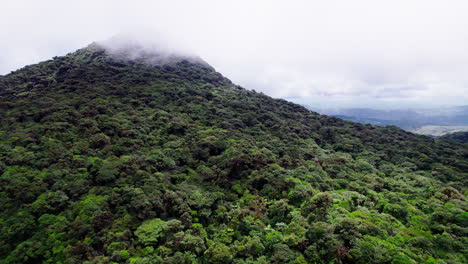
(325, 53)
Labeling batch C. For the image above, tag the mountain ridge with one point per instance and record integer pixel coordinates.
(105, 160)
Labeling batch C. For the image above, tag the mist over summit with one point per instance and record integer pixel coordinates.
(151, 50)
(366, 51)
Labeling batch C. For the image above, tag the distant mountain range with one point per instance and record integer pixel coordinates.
(429, 121)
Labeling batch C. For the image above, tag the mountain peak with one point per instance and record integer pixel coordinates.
(148, 51)
(114, 58)
(120, 162)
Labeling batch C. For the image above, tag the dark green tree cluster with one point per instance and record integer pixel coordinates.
(112, 161)
(461, 137)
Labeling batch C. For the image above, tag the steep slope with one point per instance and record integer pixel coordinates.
(105, 159)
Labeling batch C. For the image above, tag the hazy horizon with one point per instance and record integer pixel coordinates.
(359, 103)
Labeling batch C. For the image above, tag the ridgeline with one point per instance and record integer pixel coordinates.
(105, 159)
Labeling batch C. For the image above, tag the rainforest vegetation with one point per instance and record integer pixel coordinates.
(105, 160)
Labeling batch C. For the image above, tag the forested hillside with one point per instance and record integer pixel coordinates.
(461, 137)
(107, 160)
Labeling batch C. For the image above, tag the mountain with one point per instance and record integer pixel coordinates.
(432, 121)
(124, 155)
(461, 137)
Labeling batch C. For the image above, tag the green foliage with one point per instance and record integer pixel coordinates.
(111, 161)
(150, 231)
(461, 137)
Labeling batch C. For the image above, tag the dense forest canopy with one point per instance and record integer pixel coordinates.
(108, 160)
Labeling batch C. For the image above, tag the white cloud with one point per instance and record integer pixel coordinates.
(332, 49)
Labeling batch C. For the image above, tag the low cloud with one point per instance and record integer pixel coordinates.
(147, 47)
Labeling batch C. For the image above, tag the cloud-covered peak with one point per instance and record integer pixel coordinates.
(354, 52)
(149, 48)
